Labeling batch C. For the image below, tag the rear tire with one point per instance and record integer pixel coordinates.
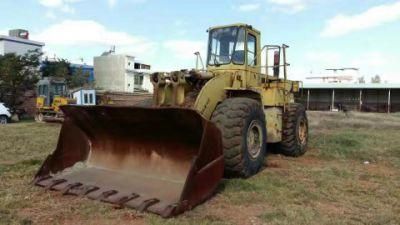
(3, 119)
(294, 131)
(242, 124)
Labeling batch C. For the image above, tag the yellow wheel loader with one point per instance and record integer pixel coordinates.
(52, 94)
(168, 155)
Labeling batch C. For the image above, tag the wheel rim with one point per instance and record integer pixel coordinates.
(3, 120)
(254, 139)
(303, 133)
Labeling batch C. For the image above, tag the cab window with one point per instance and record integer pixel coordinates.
(251, 50)
(226, 45)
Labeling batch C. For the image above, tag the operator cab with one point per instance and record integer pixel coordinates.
(237, 47)
(233, 45)
(50, 88)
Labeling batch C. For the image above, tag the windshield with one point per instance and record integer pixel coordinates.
(226, 45)
(58, 89)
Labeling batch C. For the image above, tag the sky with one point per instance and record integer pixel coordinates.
(165, 33)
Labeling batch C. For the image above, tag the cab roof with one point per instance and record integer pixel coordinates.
(235, 25)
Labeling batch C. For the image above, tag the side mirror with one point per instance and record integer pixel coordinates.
(277, 62)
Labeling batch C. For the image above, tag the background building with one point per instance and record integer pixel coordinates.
(85, 69)
(18, 42)
(335, 75)
(354, 97)
(84, 96)
(121, 73)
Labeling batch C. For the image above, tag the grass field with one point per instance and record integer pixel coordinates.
(350, 175)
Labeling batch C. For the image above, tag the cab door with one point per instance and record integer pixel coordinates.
(253, 58)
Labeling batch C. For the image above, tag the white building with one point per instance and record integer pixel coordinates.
(18, 42)
(335, 75)
(84, 96)
(121, 73)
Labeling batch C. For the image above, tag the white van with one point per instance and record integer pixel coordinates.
(5, 114)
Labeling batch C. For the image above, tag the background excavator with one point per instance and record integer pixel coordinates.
(168, 154)
(52, 93)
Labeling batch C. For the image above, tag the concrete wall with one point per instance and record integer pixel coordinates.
(147, 85)
(110, 72)
(117, 73)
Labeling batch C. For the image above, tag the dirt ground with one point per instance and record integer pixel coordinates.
(350, 175)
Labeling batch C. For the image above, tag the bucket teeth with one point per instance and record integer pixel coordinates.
(126, 199)
(40, 179)
(147, 203)
(169, 210)
(103, 197)
(132, 200)
(87, 189)
(55, 183)
(69, 187)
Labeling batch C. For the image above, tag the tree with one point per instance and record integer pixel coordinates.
(58, 68)
(376, 79)
(361, 80)
(18, 74)
(61, 68)
(79, 78)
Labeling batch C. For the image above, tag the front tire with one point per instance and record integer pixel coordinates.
(242, 124)
(294, 131)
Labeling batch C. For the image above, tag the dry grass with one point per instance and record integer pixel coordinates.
(331, 184)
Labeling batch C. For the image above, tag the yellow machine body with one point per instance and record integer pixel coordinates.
(168, 153)
(52, 93)
(250, 79)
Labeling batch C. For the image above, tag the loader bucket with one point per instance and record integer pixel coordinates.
(160, 160)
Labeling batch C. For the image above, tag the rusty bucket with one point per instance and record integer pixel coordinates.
(160, 160)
